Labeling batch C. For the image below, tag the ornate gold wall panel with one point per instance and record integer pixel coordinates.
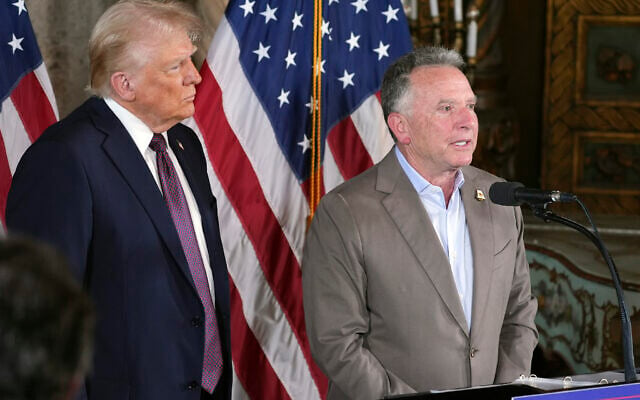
(591, 135)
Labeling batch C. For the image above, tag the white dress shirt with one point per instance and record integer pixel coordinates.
(450, 224)
(142, 135)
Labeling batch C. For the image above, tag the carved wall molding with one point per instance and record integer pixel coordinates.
(578, 317)
(568, 109)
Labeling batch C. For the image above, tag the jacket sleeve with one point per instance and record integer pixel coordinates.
(335, 301)
(518, 336)
(50, 200)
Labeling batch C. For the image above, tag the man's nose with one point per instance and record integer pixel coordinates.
(192, 75)
(467, 118)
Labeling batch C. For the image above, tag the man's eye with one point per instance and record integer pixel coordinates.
(447, 108)
(471, 106)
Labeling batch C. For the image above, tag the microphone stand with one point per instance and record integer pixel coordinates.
(542, 212)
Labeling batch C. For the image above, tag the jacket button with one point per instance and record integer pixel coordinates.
(196, 322)
(472, 352)
(193, 385)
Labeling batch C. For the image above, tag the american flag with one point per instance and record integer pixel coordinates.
(253, 113)
(28, 105)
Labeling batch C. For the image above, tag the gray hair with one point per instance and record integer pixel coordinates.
(395, 84)
(115, 40)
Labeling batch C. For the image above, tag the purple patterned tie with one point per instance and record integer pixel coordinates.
(179, 209)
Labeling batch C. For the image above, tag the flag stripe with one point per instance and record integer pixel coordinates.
(347, 149)
(32, 106)
(243, 190)
(261, 310)
(331, 174)
(255, 373)
(5, 178)
(241, 185)
(369, 122)
(255, 134)
(237, 390)
(43, 77)
(15, 137)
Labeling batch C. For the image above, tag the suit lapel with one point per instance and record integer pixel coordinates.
(405, 208)
(178, 146)
(479, 221)
(127, 159)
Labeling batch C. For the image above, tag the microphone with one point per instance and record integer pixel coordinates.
(515, 194)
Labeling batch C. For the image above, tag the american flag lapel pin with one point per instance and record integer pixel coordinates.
(180, 145)
(480, 195)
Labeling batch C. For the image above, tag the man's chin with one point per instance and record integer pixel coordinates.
(462, 161)
(188, 112)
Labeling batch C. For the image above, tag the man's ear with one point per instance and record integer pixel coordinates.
(400, 127)
(122, 86)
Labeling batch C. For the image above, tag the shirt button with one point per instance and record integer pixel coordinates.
(196, 322)
(472, 352)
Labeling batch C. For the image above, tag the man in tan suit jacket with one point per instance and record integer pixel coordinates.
(389, 306)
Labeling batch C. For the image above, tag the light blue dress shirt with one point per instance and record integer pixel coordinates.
(450, 224)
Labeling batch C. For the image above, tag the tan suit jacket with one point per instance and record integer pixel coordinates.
(381, 306)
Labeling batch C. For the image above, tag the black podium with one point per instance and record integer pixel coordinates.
(493, 392)
(526, 386)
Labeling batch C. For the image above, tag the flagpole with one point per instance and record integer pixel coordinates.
(315, 175)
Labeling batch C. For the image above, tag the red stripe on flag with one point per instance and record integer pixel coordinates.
(259, 380)
(242, 187)
(346, 146)
(5, 179)
(33, 106)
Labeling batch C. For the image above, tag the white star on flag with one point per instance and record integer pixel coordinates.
(248, 7)
(382, 50)
(347, 79)
(290, 59)
(15, 43)
(334, 1)
(20, 5)
(297, 21)
(269, 14)
(305, 144)
(353, 41)
(326, 30)
(360, 5)
(391, 13)
(263, 52)
(284, 97)
(308, 105)
(321, 67)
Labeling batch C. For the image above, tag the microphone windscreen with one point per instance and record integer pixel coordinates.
(503, 193)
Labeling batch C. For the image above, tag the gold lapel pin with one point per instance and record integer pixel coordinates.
(480, 195)
(180, 145)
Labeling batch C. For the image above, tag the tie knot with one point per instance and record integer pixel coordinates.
(158, 143)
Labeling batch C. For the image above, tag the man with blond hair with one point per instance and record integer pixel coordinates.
(120, 187)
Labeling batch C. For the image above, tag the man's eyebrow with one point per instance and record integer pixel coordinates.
(473, 99)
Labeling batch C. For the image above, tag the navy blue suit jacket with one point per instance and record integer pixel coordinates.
(85, 188)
